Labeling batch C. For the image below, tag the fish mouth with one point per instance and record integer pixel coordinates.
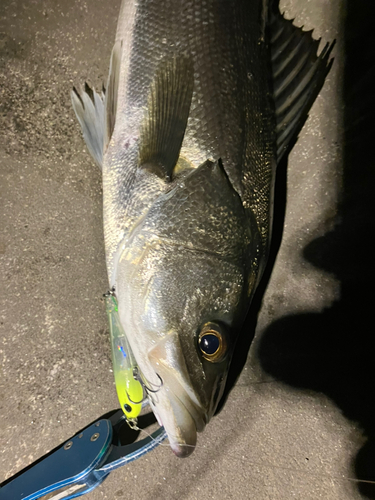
(176, 404)
(187, 421)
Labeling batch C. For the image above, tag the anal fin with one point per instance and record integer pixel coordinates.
(167, 114)
(298, 75)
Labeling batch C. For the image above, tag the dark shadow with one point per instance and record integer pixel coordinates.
(334, 352)
(248, 331)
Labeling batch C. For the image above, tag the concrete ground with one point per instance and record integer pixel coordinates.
(289, 428)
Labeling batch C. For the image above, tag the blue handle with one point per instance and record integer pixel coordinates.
(80, 465)
(69, 467)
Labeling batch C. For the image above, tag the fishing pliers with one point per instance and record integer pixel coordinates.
(83, 461)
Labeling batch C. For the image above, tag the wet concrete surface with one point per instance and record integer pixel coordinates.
(289, 428)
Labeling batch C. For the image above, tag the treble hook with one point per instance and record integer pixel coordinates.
(148, 390)
(135, 402)
(139, 377)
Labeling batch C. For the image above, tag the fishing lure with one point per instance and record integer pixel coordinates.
(129, 389)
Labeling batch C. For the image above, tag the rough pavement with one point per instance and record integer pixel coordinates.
(273, 439)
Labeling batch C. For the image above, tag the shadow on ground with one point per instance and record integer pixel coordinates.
(334, 352)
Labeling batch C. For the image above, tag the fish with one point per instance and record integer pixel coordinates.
(203, 100)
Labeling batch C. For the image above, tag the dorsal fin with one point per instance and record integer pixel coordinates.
(88, 106)
(298, 75)
(167, 114)
(112, 92)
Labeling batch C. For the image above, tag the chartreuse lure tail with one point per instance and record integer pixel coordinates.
(129, 390)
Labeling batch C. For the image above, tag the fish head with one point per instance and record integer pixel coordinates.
(183, 295)
(183, 326)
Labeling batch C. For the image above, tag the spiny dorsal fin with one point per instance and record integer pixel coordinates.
(88, 106)
(298, 75)
(168, 109)
(112, 91)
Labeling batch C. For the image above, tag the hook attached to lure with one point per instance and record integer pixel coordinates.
(138, 376)
(129, 389)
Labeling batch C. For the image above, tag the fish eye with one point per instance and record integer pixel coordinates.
(211, 342)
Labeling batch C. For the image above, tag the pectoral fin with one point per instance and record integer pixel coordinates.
(167, 115)
(112, 92)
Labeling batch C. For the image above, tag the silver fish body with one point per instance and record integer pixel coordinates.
(197, 118)
(231, 113)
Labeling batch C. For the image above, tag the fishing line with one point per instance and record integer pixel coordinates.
(270, 466)
(265, 465)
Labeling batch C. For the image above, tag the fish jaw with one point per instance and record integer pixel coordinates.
(177, 421)
(176, 404)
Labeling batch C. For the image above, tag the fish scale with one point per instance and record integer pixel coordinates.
(226, 121)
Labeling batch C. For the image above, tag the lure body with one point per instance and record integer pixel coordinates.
(129, 390)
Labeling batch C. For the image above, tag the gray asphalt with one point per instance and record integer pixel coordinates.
(272, 440)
